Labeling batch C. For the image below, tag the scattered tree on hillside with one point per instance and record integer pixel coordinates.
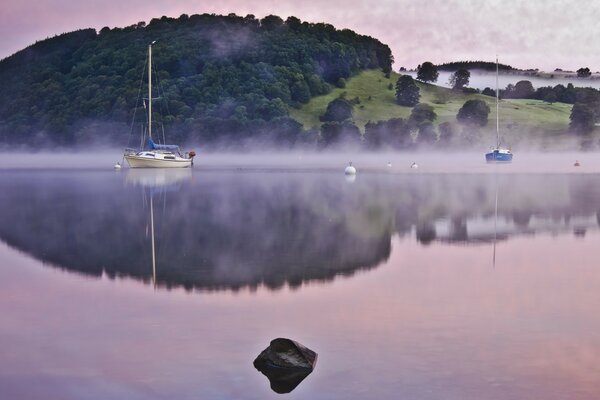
(422, 112)
(582, 118)
(524, 90)
(473, 112)
(338, 110)
(427, 133)
(395, 133)
(583, 72)
(339, 133)
(489, 92)
(427, 72)
(460, 79)
(447, 133)
(550, 97)
(521, 90)
(407, 91)
(588, 96)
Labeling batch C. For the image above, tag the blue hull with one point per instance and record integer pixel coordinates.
(497, 157)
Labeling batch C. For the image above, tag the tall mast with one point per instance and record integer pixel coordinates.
(497, 109)
(153, 249)
(150, 90)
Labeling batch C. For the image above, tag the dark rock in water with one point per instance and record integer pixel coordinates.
(286, 353)
(285, 363)
(284, 380)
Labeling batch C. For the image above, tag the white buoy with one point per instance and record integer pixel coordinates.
(118, 166)
(350, 170)
(576, 163)
(414, 165)
(389, 164)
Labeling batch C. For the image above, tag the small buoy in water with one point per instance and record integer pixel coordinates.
(576, 164)
(118, 166)
(389, 164)
(414, 165)
(350, 170)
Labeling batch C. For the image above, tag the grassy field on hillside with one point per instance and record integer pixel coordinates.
(518, 118)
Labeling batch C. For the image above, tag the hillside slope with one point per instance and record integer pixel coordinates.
(520, 120)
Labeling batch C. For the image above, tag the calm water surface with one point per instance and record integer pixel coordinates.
(412, 285)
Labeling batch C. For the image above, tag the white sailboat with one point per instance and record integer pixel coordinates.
(157, 155)
(498, 154)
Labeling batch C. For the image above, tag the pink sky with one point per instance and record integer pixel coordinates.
(526, 34)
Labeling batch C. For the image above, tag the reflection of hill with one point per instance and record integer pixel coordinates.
(229, 232)
(225, 230)
(528, 205)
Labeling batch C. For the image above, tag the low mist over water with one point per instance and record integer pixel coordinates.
(429, 162)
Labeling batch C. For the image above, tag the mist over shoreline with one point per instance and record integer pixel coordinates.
(390, 162)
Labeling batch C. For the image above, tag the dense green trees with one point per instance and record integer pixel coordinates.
(474, 113)
(407, 91)
(565, 94)
(220, 77)
(427, 72)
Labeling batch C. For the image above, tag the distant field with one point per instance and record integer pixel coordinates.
(533, 118)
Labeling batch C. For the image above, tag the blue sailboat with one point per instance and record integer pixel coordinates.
(498, 154)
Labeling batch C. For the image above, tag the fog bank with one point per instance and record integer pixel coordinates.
(297, 161)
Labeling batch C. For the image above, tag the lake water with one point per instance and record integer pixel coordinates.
(458, 280)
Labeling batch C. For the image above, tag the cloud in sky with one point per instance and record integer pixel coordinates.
(527, 34)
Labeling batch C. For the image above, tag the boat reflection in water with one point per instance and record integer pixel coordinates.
(230, 230)
(157, 182)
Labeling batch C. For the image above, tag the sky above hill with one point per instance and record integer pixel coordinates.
(525, 33)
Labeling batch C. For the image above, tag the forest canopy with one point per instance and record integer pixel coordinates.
(220, 77)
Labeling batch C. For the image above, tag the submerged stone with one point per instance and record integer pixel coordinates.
(285, 363)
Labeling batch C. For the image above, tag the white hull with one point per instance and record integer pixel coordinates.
(157, 155)
(136, 161)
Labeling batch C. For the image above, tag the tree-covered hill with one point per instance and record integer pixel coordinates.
(220, 77)
(469, 65)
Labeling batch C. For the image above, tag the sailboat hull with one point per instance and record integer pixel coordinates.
(157, 155)
(136, 161)
(498, 157)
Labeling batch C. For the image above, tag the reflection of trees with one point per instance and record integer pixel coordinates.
(425, 233)
(227, 230)
(458, 230)
(241, 232)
